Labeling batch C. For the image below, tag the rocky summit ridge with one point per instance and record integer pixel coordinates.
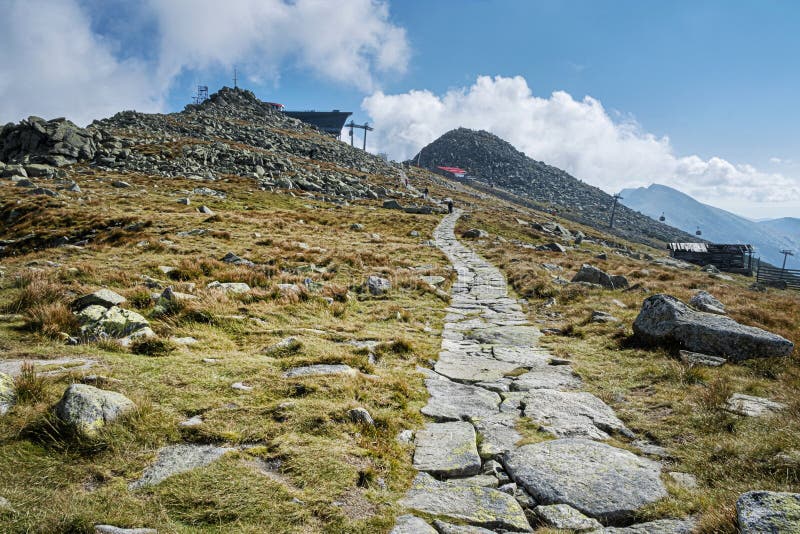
(491, 161)
(231, 133)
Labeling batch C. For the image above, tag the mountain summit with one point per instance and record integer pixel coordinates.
(491, 161)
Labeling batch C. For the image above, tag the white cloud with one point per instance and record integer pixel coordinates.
(53, 63)
(576, 135)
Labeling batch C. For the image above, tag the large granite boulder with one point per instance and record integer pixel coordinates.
(768, 512)
(86, 409)
(102, 297)
(98, 321)
(377, 285)
(56, 142)
(599, 480)
(665, 320)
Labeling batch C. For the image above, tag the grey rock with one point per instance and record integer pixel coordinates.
(358, 227)
(760, 512)
(508, 336)
(571, 414)
(478, 506)
(101, 297)
(97, 321)
(447, 450)
(185, 201)
(286, 345)
(593, 275)
(110, 529)
(241, 386)
(320, 369)
(464, 367)
(484, 481)
(7, 393)
(661, 526)
(120, 184)
(696, 358)
(193, 421)
(86, 409)
(685, 480)
(175, 459)
(706, 302)
(42, 191)
(752, 406)
(497, 432)
(411, 524)
(229, 287)
(377, 285)
(405, 436)
(449, 528)
(474, 233)
(666, 320)
(205, 210)
(599, 480)
(602, 317)
(451, 401)
(433, 280)
(360, 416)
(230, 257)
(563, 516)
(550, 377)
(392, 205)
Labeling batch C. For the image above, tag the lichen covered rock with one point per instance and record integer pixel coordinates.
(86, 409)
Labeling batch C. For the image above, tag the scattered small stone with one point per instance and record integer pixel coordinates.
(229, 287)
(7, 393)
(360, 416)
(603, 317)
(685, 480)
(120, 184)
(185, 201)
(696, 358)
(241, 386)
(751, 406)
(230, 257)
(196, 420)
(413, 233)
(211, 360)
(110, 529)
(358, 227)
(405, 436)
(184, 340)
(474, 233)
(205, 210)
(377, 285)
(86, 409)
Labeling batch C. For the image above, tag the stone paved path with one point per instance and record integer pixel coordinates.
(492, 371)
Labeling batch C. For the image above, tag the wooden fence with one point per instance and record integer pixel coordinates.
(773, 276)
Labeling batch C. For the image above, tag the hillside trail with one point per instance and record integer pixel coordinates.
(491, 372)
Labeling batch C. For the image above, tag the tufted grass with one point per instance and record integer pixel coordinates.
(304, 466)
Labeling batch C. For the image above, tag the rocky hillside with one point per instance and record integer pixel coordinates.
(232, 133)
(491, 161)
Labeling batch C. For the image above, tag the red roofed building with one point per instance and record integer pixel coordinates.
(455, 171)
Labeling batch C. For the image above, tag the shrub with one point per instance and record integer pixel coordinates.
(29, 386)
(153, 347)
(35, 289)
(51, 319)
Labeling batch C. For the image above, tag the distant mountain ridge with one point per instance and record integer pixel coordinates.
(717, 225)
(494, 162)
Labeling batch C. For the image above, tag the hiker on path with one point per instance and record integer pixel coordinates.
(449, 205)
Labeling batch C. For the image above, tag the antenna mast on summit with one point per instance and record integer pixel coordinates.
(235, 79)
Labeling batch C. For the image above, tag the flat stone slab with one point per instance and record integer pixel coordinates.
(661, 526)
(510, 336)
(573, 414)
(497, 433)
(529, 357)
(550, 377)
(320, 369)
(447, 450)
(176, 459)
(411, 524)
(47, 367)
(751, 406)
(463, 367)
(565, 517)
(451, 401)
(449, 528)
(768, 512)
(599, 480)
(478, 506)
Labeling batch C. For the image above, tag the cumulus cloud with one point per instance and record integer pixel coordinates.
(52, 64)
(577, 135)
(346, 41)
(54, 61)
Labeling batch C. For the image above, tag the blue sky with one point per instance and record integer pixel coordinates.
(699, 95)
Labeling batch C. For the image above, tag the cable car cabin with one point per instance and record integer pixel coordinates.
(730, 258)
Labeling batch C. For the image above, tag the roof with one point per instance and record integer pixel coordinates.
(711, 247)
(453, 170)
